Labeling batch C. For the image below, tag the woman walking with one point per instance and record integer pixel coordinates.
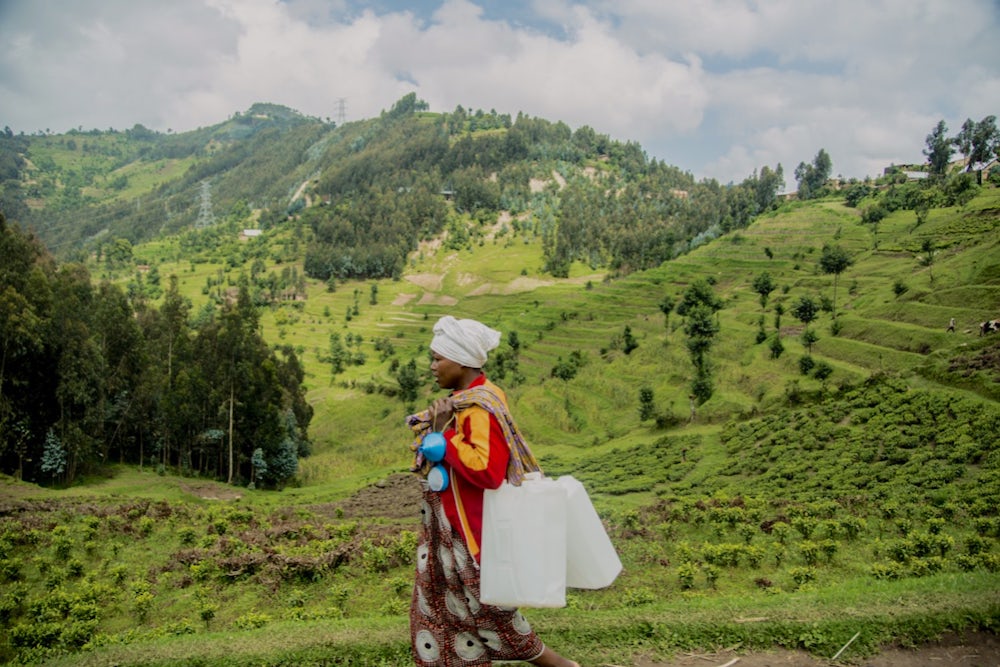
(483, 447)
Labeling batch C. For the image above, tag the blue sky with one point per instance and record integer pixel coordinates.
(718, 88)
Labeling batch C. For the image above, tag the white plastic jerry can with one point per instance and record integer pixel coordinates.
(592, 561)
(523, 558)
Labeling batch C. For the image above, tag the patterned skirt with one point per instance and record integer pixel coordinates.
(449, 627)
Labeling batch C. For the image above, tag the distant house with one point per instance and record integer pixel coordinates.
(912, 172)
(250, 234)
(984, 169)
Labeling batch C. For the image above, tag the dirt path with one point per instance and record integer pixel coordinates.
(977, 649)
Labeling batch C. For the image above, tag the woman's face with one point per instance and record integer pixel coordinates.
(447, 372)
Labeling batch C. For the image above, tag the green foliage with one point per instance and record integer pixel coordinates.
(812, 177)
(763, 285)
(871, 473)
(646, 404)
(53, 456)
(568, 368)
(122, 375)
(776, 346)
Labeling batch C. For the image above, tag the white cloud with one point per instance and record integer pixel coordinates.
(725, 86)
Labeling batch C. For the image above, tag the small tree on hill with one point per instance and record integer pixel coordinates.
(699, 304)
(939, 149)
(809, 338)
(812, 177)
(763, 285)
(53, 456)
(667, 307)
(409, 381)
(927, 247)
(805, 310)
(834, 260)
(646, 406)
(629, 342)
(978, 142)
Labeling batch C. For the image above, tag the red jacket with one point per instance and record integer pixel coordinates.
(476, 456)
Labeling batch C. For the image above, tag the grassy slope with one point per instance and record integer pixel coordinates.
(359, 436)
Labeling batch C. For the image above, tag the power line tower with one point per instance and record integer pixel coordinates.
(341, 110)
(205, 215)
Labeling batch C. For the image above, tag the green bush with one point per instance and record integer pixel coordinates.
(686, 573)
(887, 570)
(251, 621)
(802, 575)
(10, 569)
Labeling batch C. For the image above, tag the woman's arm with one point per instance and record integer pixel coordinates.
(477, 450)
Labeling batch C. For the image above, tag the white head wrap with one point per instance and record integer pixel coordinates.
(466, 342)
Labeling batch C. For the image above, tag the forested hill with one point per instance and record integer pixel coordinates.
(159, 330)
(370, 190)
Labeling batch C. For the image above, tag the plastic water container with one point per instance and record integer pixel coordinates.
(523, 559)
(592, 561)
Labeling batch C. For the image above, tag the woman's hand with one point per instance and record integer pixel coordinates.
(442, 411)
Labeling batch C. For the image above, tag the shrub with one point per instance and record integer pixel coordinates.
(141, 605)
(394, 607)
(802, 575)
(146, 524)
(853, 527)
(975, 544)
(984, 526)
(685, 575)
(206, 611)
(809, 551)
(10, 569)
(806, 364)
(34, 634)
(374, 557)
(405, 546)
(966, 563)
(776, 347)
(187, 536)
(118, 573)
(74, 567)
(781, 532)
(78, 633)
(754, 555)
(62, 546)
(202, 570)
(989, 561)
(722, 555)
(252, 620)
(805, 526)
(922, 567)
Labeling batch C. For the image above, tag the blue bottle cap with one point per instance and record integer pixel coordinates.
(433, 446)
(437, 478)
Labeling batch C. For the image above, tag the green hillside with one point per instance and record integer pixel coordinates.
(790, 508)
